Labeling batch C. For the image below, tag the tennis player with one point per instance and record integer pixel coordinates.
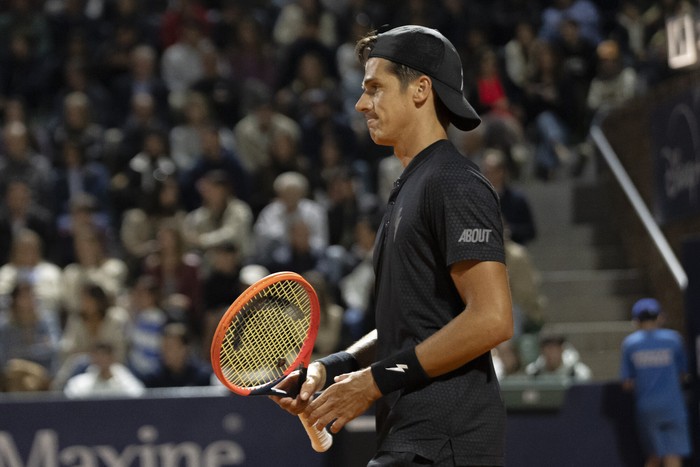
(442, 296)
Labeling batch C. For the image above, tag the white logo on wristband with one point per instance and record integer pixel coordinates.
(400, 367)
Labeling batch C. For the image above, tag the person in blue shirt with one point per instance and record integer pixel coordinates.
(654, 367)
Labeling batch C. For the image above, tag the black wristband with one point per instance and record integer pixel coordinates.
(337, 364)
(401, 370)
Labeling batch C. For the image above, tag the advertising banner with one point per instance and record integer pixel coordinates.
(188, 430)
(675, 138)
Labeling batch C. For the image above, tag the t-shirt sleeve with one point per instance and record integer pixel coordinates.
(467, 218)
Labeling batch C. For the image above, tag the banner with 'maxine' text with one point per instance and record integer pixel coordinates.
(192, 431)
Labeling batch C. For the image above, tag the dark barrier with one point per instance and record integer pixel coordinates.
(582, 426)
(165, 429)
(202, 428)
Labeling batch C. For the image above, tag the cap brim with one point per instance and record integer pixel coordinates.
(462, 114)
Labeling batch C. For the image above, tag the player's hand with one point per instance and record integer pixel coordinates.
(350, 396)
(315, 378)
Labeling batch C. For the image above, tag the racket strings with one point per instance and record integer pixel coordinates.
(266, 335)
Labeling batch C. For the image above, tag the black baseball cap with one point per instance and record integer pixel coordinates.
(429, 52)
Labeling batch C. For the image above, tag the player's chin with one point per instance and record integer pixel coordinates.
(378, 138)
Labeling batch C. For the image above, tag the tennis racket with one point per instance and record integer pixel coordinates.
(267, 333)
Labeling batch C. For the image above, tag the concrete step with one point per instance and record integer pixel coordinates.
(550, 202)
(587, 308)
(561, 256)
(589, 203)
(591, 282)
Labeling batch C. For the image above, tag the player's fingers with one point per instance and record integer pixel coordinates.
(342, 377)
(309, 387)
(338, 424)
(315, 378)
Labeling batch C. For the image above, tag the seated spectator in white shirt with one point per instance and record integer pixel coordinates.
(104, 377)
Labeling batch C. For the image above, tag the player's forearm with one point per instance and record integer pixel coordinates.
(468, 336)
(364, 349)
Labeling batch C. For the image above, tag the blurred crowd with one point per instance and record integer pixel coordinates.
(156, 157)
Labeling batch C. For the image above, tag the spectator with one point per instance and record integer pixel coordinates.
(221, 218)
(181, 63)
(252, 55)
(330, 325)
(105, 377)
(93, 265)
(28, 331)
(140, 224)
(139, 181)
(186, 138)
(177, 273)
(546, 102)
(147, 322)
(629, 30)
(357, 285)
(28, 265)
(295, 16)
(23, 71)
(343, 207)
(179, 367)
(518, 54)
(18, 212)
(560, 360)
(312, 71)
(221, 91)
(115, 51)
(20, 161)
(83, 215)
(524, 279)
(221, 286)
(295, 253)
(142, 119)
(583, 12)
(577, 71)
(272, 225)
(14, 109)
(322, 121)
(96, 320)
(177, 17)
(501, 119)
(255, 131)
(515, 207)
(76, 175)
(24, 376)
(283, 156)
(613, 83)
(141, 78)
(76, 123)
(214, 156)
(23, 15)
(654, 368)
(77, 77)
(350, 71)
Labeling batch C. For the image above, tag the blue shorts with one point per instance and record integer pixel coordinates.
(665, 437)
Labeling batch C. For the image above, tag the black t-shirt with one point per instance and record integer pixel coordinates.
(441, 211)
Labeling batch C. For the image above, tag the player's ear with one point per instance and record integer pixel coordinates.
(423, 86)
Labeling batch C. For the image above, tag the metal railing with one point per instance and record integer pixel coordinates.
(652, 228)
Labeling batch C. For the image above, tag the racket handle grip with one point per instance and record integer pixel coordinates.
(321, 440)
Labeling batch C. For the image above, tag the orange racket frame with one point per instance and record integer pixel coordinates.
(302, 358)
